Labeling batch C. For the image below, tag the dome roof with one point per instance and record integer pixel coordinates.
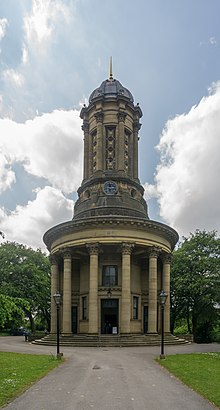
(111, 89)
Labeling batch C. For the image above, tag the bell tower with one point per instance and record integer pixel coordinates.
(111, 123)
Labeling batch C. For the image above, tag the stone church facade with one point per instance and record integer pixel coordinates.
(110, 262)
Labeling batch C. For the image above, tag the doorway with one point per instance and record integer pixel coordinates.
(74, 319)
(109, 316)
(145, 319)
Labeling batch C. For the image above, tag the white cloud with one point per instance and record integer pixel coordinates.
(49, 146)
(3, 25)
(212, 41)
(7, 175)
(24, 54)
(40, 23)
(27, 224)
(187, 177)
(14, 77)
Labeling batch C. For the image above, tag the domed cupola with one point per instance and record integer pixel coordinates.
(109, 89)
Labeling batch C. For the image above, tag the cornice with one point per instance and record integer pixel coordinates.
(115, 221)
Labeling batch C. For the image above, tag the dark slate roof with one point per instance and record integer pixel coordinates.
(111, 89)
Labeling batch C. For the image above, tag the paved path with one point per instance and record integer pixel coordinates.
(108, 379)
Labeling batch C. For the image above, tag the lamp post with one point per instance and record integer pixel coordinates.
(57, 299)
(163, 298)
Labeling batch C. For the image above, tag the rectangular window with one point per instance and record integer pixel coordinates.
(84, 308)
(135, 307)
(109, 275)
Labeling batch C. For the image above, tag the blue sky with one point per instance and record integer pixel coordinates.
(53, 53)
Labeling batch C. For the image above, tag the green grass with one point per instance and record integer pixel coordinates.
(20, 371)
(200, 371)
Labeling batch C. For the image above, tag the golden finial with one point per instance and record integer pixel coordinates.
(111, 75)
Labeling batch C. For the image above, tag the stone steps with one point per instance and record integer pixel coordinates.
(109, 340)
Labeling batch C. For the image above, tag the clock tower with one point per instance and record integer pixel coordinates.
(110, 262)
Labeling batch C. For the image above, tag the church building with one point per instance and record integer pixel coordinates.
(110, 262)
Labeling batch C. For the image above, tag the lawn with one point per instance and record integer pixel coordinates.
(20, 371)
(200, 371)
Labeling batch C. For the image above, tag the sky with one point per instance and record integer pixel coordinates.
(54, 53)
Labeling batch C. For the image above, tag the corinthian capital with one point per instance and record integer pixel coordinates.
(99, 116)
(154, 251)
(166, 258)
(121, 116)
(53, 259)
(136, 126)
(126, 248)
(93, 248)
(66, 253)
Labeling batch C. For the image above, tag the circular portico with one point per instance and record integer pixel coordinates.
(130, 258)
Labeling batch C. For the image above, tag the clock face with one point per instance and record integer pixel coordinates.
(110, 188)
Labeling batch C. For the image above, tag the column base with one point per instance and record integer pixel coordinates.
(152, 333)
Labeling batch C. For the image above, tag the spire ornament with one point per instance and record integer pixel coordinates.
(111, 74)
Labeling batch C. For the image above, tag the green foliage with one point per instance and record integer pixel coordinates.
(195, 280)
(19, 371)
(181, 329)
(200, 371)
(12, 311)
(25, 274)
(216, 332)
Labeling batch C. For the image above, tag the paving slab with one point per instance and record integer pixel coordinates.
(125, 378)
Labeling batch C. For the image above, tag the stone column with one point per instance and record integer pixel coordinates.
(121, 141)
(54, 288)
(67, 292)
(152, 301)
(136, 128)
(99, 155)
(126, 287)
(166, 288)
(93, 287)
(85, 128)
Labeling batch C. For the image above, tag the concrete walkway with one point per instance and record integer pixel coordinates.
(108, 379)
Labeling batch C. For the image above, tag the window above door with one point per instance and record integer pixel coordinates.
(109, 275)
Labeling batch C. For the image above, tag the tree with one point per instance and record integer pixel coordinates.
(25, 274)
(195, 280)
(11, 311)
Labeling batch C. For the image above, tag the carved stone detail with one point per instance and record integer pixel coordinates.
(127, 247)
(93, 248)
(85, 126)
(136, 126)
(53, 259)
(166, 258)
(121, 116)
(99, 116)
(66, 253)
(154, 251)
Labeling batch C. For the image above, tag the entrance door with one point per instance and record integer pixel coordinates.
(145, 319)
(109, 316)
(74, 319)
